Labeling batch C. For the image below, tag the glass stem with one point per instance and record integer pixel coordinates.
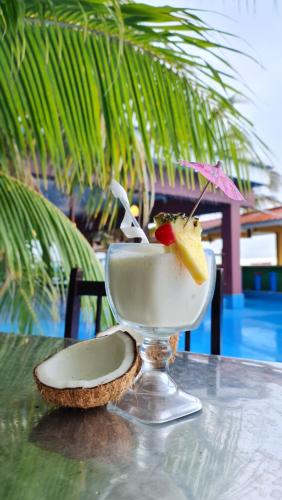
(155, 354)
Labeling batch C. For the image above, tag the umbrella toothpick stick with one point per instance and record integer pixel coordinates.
(202, 194)
(215, 176)
(198, 201)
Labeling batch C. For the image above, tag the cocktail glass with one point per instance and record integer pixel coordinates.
(151, 292)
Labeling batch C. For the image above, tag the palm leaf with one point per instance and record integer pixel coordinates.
(91, 89)
(113, 88)
(39, 246)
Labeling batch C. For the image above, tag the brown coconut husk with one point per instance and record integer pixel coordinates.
(80, 397)
(81, 435)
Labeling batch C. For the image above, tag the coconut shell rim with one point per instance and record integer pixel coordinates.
(135, 362)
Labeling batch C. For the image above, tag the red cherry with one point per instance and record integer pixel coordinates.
(165, 235)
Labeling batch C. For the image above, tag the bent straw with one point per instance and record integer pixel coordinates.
(128, 230)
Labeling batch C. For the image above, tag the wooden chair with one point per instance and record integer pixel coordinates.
(216, 316)
(78, 288)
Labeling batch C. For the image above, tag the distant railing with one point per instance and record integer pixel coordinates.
(262, 278)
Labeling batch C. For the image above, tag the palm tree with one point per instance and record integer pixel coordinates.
(91, 89)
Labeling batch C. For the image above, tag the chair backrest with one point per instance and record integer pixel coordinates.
(78, 288)
(216, 316)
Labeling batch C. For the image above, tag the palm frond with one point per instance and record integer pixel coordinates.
(39, 246)
(92, 89)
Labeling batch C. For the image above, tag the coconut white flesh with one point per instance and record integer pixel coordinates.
(89, 363)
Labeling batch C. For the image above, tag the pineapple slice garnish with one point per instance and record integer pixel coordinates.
(183, 237)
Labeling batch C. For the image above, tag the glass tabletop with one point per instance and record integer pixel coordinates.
(231, 449)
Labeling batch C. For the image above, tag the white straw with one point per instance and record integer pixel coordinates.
(129, 226)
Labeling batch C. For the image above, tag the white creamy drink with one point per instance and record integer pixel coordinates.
(150, 287)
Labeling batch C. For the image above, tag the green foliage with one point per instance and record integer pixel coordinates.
(39, 246)
(95, 89)
(91, 89)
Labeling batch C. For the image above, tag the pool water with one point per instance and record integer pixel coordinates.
(252, 332)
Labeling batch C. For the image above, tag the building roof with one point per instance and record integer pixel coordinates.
(258, 220)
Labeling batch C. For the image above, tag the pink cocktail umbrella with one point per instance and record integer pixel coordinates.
(217, 177)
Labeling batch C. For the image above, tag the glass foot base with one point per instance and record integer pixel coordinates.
(156, 399)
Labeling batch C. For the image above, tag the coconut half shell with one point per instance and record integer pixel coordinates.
(90, 373)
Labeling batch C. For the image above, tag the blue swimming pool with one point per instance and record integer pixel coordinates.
(252, 332)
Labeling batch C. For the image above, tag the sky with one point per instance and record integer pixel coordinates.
(258, 24)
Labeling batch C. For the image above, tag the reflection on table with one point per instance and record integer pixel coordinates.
(231, 450)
